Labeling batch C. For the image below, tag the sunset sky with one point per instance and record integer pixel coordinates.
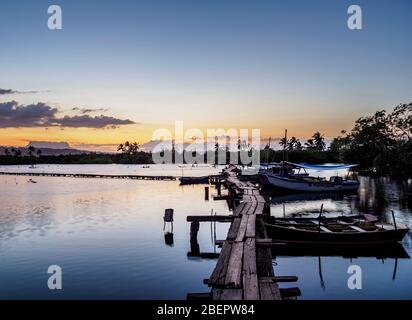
(121, 69)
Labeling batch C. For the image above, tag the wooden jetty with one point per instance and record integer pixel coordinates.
(87, 175)
(244, 268)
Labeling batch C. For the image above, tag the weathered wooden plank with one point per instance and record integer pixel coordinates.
(221, 197)
(251, 227)
(250, 278)
(269, 290)
(246, 208)
(206, 218)
(218, 276)
(242, 228)
(259, 208)
(234, 269)
(270, 243)
(264, 262)
(290, 292)
(227, 294)
(252, 208)
(260, 199)
(281, 278)
(234, 228)
(247, 198)
(204, 255)
(239, 209)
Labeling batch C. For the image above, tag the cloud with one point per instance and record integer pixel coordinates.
(86, 110)
(10, 91)
(6, 91)
(12, 114)
(92, 122)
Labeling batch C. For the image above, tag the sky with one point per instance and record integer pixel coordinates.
(119, 70)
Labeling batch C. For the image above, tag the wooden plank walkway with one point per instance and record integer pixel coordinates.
(244, 270)
(88, 175)
(217, 218)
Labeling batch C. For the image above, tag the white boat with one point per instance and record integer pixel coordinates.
(298, 182)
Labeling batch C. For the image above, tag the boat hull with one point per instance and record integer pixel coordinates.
(308, 237)
(291, 184)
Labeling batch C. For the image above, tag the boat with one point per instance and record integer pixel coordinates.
(31, 181)
(194, 180)
(360, 230)
(285, 178)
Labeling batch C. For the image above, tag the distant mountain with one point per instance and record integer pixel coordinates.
(47, 149)
(48, 145)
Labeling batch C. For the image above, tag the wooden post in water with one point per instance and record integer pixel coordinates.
(320, 216)
(219, 187)
(194, 245)
(168, 217)
(207, 193)
(394, 220)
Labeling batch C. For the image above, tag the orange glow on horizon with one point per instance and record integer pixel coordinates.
(108, 139)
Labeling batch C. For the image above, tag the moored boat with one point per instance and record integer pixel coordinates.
(298, 181)
(352, 230)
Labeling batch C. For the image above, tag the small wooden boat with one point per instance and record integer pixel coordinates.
(31, 181)
(349, 230)
(194, 180)
(302, 182)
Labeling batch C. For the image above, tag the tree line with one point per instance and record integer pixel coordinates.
(380, 143)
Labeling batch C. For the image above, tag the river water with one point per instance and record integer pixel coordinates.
(107, 236)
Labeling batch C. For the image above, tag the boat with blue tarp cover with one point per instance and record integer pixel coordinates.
(293, 177)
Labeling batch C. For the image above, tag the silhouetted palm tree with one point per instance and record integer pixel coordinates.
(319, 141)
(30, 151)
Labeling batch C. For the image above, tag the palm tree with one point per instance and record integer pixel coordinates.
(309, 144)
(283, 142)
(294, 144)
(319, 141)
(39, 152)
(316, 142)
(31, 149)
(129, 148)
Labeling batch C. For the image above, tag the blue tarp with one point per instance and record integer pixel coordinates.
(323, 166)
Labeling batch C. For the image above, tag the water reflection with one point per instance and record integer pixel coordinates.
(107, 235)
(387, 270)
(169, 239)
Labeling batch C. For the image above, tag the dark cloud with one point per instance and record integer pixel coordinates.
(86, 110)
(92, 122)
(10, 91)
(6, 91)
(13, 114)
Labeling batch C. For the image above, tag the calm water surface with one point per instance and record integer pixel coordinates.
(107, 235)
(326, 276)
